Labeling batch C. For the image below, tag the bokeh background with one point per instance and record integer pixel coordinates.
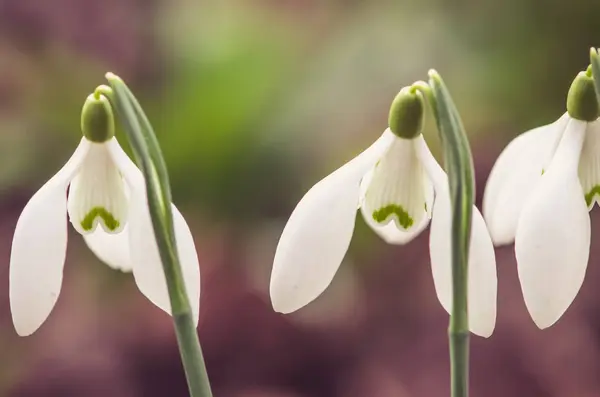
(253, 102)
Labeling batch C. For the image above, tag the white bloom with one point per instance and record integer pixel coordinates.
(538, 195)
(393, 182)
(106, 204)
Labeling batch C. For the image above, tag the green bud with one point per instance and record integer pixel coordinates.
(97, 120)
(582, 103)
(407, 113)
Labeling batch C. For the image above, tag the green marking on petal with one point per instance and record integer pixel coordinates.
(109, 220)
(589, 197)
(382, 214)
(543, 170)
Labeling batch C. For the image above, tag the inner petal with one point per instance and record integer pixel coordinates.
(97, 195)
(396, 190)
(589, 164)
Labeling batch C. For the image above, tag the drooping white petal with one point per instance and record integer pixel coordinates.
(553, 234)
(147, 265)
(39, 249)
(515, 176)
(398, 183)
(188, 257)
(397, 194)
(111, 248)
(589, 164)
(482, 283)
(316, 237)
(145, 257)
(97, 194)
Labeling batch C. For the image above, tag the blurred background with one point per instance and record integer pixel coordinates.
(253, 102)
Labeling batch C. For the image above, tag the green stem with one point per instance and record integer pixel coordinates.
(459, 362)
(459, 167)
(191, 355)
(150, 160)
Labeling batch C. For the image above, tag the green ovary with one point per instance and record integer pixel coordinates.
(589, 197)
(382, 214)
(109, 220)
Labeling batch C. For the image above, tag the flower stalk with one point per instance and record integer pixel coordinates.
(149, 158)
(459, 167)
(595, 66)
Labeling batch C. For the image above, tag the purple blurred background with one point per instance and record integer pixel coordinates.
(253, 102)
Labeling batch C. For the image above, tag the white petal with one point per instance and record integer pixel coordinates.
(482, 282)
(515, 175)
(589, 164)
(553, 235)
(188, 257)
(316, 237)
(147, 264)
(39, 249)
(97, 194)
(110, 248)
(145, 257)
(395, 193)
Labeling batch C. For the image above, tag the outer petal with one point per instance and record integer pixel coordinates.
(482, 262)
(110, 248)
(515, 176)
(482, 266)
(145, 257)
(39, 249)
(553, 235)
(316, 237)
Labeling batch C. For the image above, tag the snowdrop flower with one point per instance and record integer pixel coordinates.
(538, 195)
(106, 204)
(398, 186)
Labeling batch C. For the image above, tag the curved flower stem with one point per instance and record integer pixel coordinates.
(150, 160)
(459, 167)
(595, 67)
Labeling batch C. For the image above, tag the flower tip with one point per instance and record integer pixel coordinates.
(283, 302)
(280, 307)
(543, 323)
(23, 326)
(434, 75)
(23, 332)
(541, 316)
(484, 331)
(113, 78)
